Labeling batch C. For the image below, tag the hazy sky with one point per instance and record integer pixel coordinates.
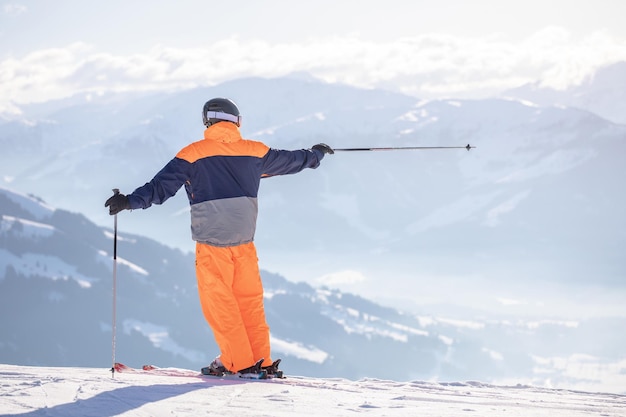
(453, 48)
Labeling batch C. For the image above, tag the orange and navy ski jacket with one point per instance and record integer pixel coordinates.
(221, 175)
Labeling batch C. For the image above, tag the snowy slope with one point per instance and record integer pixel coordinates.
(86, 392)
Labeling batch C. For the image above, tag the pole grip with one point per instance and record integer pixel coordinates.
(116, 191)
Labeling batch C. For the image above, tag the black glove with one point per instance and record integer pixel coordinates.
(323, 148)
(117, 203)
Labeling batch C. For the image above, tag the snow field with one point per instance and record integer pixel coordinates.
(85, 392)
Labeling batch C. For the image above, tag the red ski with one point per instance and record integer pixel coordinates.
(178, 372)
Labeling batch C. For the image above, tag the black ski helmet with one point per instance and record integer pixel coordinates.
(220, 109)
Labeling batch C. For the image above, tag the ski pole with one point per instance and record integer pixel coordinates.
(404, 148)
(114, 326)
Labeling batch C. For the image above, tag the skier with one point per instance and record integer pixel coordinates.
(221, 175)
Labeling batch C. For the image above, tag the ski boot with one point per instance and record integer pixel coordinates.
(216, 368)
(273, 371)
(253, 372)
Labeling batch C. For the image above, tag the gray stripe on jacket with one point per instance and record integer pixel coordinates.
(224, 222)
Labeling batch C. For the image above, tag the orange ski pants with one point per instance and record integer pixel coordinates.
(231, 295)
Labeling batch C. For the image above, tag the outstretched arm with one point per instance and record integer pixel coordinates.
(281, 162)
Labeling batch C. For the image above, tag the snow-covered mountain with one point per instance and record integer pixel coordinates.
(56, 310)
(535, 209)
(602, 93)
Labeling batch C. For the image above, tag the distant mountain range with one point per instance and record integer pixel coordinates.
(56, 304)
(600, 93)
(539, 199)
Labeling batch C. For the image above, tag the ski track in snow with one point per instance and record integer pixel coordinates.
(85, 392)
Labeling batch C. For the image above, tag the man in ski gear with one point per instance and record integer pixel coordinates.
(221, 175)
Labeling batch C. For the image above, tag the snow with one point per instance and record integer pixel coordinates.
(85, 392)
(297, 350)
(564, 323)
(35, 207)
(493, 215)
(26, 228)
(160, 338)
(105, 257)
(133, 267)
(354, 321)
(120, 238)
(52, 267)
(448, 341)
